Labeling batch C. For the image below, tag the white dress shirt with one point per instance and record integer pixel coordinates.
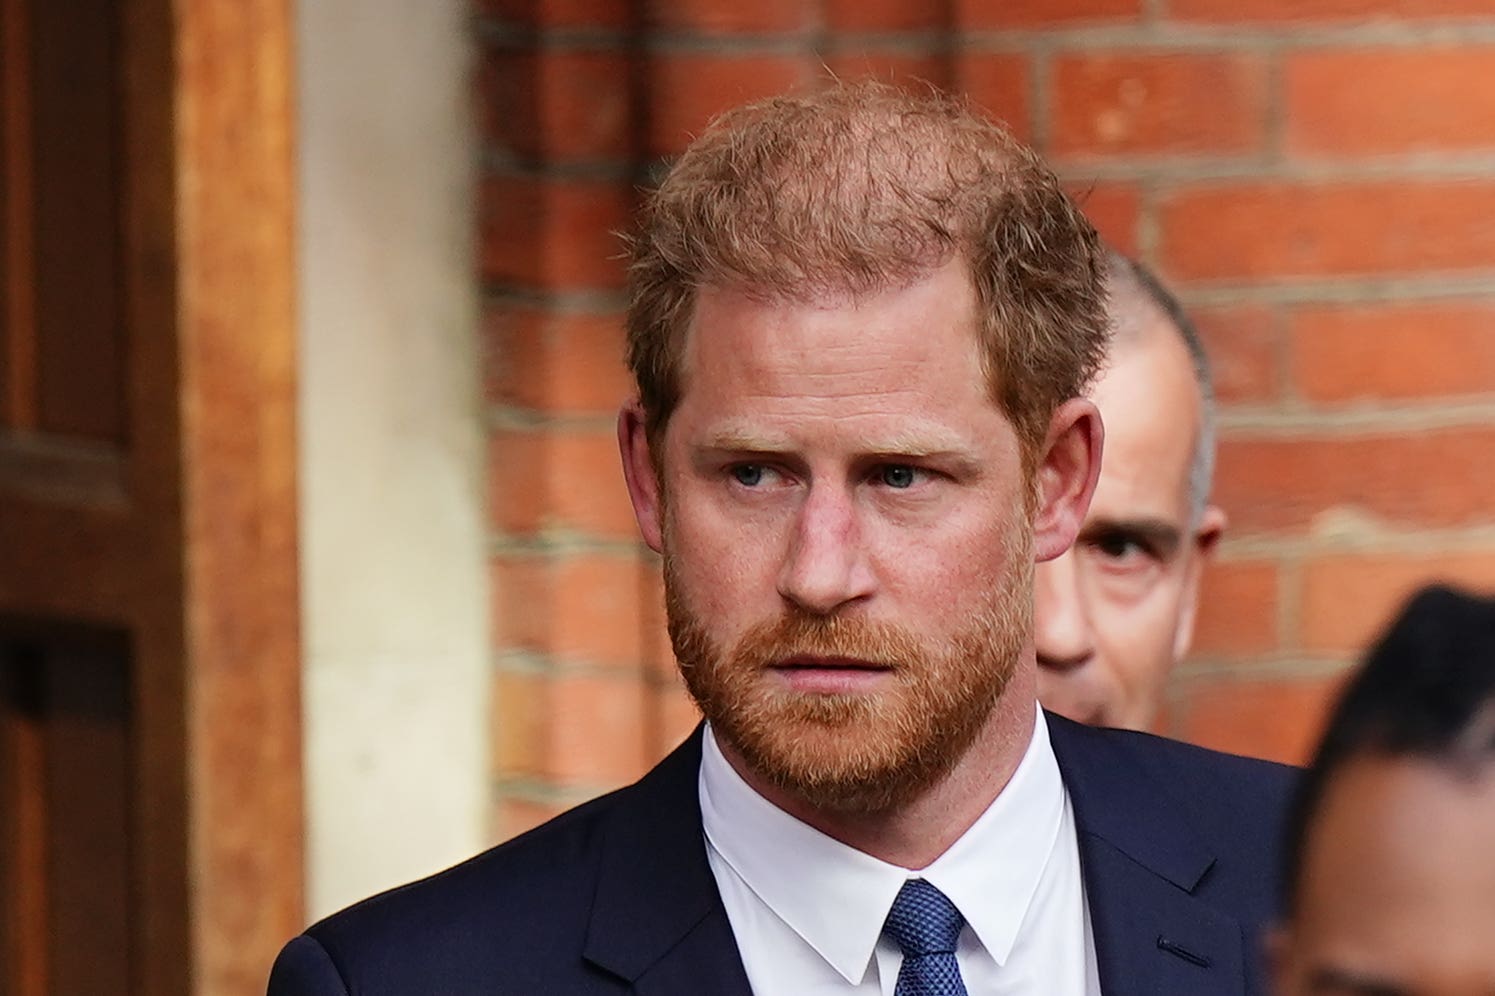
(807, 910)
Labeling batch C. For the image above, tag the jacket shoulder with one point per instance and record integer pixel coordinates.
(1211, 822)
(1229, 781)
(516, 918)
(522, 903)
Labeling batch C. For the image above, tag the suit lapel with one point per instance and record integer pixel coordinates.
(1153, 939)
(657, 920)
(704, 961)
(1142, 865)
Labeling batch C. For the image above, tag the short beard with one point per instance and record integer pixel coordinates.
(855, 754)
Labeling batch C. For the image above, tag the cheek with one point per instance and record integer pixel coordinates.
(952, 571)
(1138, 638)
(1160, 605)
(727, 569)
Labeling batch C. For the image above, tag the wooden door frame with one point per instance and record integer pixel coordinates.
(236, 310)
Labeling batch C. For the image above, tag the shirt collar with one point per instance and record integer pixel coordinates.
(836, 898)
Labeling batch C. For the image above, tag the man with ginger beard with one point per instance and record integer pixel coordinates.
(861, 322)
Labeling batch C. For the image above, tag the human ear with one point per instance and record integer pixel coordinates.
(640, 475)
(1065, 476)
(1211, 527)
(1205, 540)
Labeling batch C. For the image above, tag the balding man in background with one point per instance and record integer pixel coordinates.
(1116, 612)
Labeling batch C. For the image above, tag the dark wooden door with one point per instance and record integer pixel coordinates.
(150, 812)
(65, 747)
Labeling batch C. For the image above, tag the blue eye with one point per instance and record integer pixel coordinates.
(897, 475)
(749, 475)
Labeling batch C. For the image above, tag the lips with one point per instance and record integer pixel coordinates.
(829, 662)
(830, 675)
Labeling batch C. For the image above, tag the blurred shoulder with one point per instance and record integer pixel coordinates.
(1201, 780)
(461, 926)
(514, 918)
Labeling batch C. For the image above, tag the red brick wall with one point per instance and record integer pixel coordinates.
(1315, 177)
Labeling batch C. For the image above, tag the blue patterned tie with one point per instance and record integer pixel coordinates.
(926, 926)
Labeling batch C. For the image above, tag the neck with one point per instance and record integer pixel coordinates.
(913, 836)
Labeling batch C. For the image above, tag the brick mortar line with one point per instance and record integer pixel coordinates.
(542, 792)
(1274, 128)
(1371, 539)
(1181, 167)
(798, 42)
(1161, 38)
(665, 679)
(1160, 34)
(1274, 665)
(516, 419)
(1478, 287)
(792, 42)
(1149, 228)
(1290, 601)
(538, 665)
(516, 660)
(557, 545)
(1284, 357)
(626, 678)
(495, 34)
(1393, 288)
(1357, 420)
(564, 302)
(1261, 165)
(1041, 97)
(499, 163)
(1370, 542)
(1179, 36)
(923, 42)
(819, 30)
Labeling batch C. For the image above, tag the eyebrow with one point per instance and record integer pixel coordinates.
(923, 443)
(1163, 535)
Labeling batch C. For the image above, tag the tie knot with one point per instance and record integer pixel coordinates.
(923, 921)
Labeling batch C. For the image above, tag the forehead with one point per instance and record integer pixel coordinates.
(896, 372)
(899, 346)
(1399, 872)
(1151, 409)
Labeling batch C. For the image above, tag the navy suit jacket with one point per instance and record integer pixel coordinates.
(1178, 848)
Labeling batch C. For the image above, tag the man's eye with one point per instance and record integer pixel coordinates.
(897, 475)
(749, 475)
(1119, 546)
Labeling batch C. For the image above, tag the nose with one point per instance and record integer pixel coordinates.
(826, 566)
(1061, 625)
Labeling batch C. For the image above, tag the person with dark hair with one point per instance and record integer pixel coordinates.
(1115, 613)
(1389, 883)
(861, 324)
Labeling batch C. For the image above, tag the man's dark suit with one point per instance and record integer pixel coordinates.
(1178, 848)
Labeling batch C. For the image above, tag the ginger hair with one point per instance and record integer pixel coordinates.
(859, 187)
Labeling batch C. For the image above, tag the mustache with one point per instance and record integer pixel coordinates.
(798, 634)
